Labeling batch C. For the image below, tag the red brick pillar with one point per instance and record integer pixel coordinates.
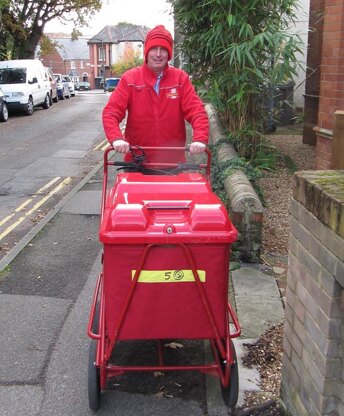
(331, 80)
(312, 88)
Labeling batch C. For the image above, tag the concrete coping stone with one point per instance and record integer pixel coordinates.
(322, 193)
(216, 131)
(240, 192)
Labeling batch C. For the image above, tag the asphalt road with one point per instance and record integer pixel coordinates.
(43, 157)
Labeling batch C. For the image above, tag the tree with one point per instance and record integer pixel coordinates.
(130, 59)
(75, 34)
(5, 37)
(238, 52)
(24, 20)
(47, 46)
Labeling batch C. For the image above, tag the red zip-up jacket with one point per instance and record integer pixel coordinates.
(152, 119)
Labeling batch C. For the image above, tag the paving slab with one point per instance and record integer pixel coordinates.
(29, 326)
(249, 378)
(258, 301)
(84, 202)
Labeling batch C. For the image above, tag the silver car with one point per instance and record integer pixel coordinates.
(68, 79)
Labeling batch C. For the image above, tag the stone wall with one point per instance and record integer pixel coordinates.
(245, 208)
(313, 361)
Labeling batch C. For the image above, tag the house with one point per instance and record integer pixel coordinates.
(324, 94)
(109, 45)
(71, 57)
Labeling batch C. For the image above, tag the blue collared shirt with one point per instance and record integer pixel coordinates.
(156, 85)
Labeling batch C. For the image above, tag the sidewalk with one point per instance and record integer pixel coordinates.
(46, 292)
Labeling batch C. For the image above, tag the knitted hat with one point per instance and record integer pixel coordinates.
(159, 36)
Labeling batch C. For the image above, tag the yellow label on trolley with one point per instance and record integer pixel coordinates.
(168, 276)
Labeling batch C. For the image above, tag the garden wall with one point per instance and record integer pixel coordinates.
(313, 361)
(245, 208)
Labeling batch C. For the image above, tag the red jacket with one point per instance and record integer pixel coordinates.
(155, 120)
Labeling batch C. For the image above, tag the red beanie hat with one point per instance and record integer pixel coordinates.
(159, 36)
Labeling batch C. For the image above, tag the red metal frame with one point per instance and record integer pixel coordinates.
(221, 346)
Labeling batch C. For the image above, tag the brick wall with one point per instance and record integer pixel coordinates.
(331, 78)
(312, 88)
(55, 62)
(313, 365)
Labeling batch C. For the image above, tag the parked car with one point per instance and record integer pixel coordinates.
(111, 83)
(25, 84)
(70, 82)
(82, 86)
(53, 86)
(62, 87)
(3, 107)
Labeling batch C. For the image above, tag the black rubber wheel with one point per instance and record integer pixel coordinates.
(95, 326)
(93, 378)
(29, 107)
(4, 112)
(230, 393)
(46, 103)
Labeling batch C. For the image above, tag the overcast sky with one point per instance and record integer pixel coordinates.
(149, 13)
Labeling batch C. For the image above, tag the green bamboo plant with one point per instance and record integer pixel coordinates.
(238, 52)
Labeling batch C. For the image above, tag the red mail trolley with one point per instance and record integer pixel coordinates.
(166, 249)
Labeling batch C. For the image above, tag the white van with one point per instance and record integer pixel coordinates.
(25, 84)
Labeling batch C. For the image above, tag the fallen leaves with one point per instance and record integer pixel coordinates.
(174, 345)
(162, 393)
(266, 354)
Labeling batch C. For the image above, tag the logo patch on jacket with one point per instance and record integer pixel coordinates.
(173, 94)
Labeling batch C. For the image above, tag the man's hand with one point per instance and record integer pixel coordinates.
(121, 146)
(197, 148)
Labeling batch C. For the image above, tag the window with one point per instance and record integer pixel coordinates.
(81, 64)
(72, 64)
(101, 53)
(13, 76)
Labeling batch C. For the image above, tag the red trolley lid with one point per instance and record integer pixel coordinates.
(164, 209)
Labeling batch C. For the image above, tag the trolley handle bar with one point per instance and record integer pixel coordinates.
(147, 165)
(107, 163)
(191, 166)
(179, 166)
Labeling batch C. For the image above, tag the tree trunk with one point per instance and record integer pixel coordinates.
(28, 48)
